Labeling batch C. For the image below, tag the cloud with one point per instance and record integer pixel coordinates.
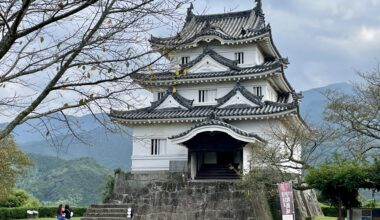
(326, 41)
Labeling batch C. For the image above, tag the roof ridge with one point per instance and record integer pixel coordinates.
(217, 57)
(247, 94)
(187, 103)
(228, 14)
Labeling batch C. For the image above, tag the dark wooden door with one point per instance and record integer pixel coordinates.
(225, 157)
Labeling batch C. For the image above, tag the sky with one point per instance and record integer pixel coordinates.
(326, 41)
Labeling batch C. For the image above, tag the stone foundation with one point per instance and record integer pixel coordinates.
(170, 196)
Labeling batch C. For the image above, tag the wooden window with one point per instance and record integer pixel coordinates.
(157, 146)
(239, 57)
(257, 90)
(185, 60)
(206, 96)
(160, 95)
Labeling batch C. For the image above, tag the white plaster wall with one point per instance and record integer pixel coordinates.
(252, 54)
(142, 160)
(270, 93)
(264, 128)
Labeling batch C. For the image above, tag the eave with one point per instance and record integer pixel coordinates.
(199, 119)
(171, 79)
(213, 123)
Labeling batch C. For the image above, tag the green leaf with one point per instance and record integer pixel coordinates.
(109, 70)
(127, 64)
(65, 105)
(178, 5)
(47, 133)
(83, 67)
(42, 39)
(59, 45)
(88, 75)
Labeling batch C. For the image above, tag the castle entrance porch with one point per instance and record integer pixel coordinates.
(214, 155)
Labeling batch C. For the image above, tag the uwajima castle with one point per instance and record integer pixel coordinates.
(225, 92)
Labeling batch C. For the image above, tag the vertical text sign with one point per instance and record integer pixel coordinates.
(286, 198)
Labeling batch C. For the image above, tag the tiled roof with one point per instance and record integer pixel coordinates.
(214, 120)
(220, 59)
(238, 88)
(268, 108)
(228, 26)
(265, 67)
(187, 103)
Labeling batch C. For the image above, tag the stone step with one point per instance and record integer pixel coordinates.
(103, 218)
(219, 177)
(100, 214)
(110, 206)
(107, 210)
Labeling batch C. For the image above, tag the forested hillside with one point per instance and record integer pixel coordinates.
(112, 150)
(80, 181)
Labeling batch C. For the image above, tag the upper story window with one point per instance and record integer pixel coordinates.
(185, 60)
(160, 95)
(205, 96)
(239, 57)
(257, 90)
(157, 146)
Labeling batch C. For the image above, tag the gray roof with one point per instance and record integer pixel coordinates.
(232, 64)
(267, 108)
(214, 120)
(229, 26)
(238, 88)
(187, 103)
(265, 67)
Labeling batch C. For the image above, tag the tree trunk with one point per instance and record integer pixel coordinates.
(340, 211)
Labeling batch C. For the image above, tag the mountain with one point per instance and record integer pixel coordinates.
(78, 182)
(314, 102)
(112, 150)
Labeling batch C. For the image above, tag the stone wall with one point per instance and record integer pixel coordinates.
(169, 196)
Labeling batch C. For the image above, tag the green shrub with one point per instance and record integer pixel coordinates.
(19, 198)
(108, 191)
(20, 213)
(332, 211)
(12, 213)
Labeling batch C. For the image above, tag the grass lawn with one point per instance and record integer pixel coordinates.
(75, 218)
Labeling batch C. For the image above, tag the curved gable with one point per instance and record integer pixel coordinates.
(208, 64)
(170, 103)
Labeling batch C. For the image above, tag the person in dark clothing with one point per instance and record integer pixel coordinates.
(60, 212)
(67, 212)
